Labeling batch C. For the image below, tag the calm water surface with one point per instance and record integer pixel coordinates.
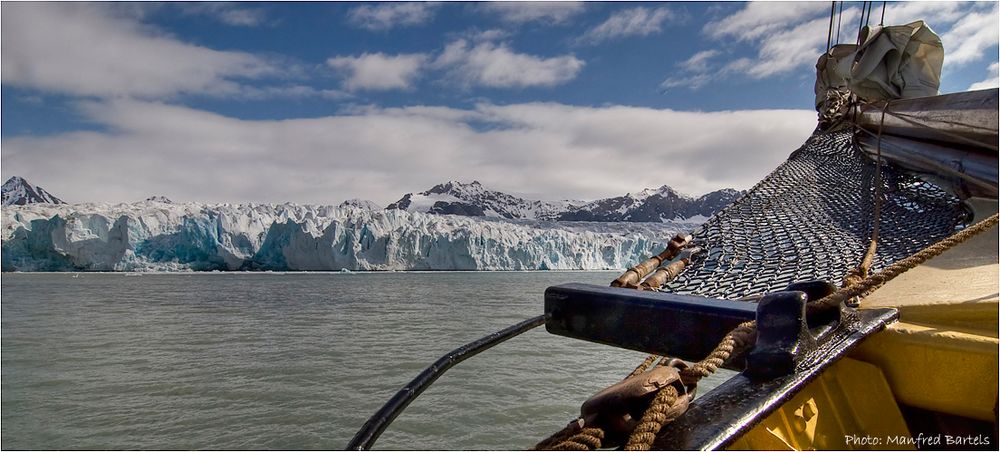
(285, 361)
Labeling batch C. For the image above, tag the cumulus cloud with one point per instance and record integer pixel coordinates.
(496, 65)
(993, 81)
(93, 50)
(789, 37)
(378, 71)
(522, 12)
(384, 16)
(640, 21)
(380, 153)
(971, 36)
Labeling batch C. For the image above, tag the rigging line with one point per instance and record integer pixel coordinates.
(829, 33)
(868, 15)
(861, 23)
(840, 15)
(881, 21)
(869, 257)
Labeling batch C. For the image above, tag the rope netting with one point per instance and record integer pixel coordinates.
(811, 218)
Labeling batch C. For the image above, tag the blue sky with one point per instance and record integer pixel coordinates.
(320, 102)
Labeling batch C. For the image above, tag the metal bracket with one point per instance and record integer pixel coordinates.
(786, 329)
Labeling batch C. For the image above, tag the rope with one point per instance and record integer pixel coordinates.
(643, 366)
(829, 33)
(881, 21)
(735, 342)
(660, 412)
(560, 436)
(586, 439)
(861, 24)
(879, 279)
(663, 408)
(840, 15)
(856, 275)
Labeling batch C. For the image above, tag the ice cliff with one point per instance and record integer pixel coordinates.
(157, 236)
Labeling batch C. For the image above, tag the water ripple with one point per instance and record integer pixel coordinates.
(251, 361)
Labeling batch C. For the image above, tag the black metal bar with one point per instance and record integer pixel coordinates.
(720, 417)
(682, 326)
(377, 424)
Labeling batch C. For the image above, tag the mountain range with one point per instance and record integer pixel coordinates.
(650, 205)
(474, 200)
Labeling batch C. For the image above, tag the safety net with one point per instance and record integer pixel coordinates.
(812, 218)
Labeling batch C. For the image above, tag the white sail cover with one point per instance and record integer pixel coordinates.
(900, 61)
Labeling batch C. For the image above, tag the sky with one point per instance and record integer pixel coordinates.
(321, 102)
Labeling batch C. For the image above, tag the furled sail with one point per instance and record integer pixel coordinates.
(895, 62)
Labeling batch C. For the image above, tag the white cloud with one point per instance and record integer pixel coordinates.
(692, 81)
(290, 92)
(699, 61)
(640, 21)
(971, 36)
(698, 70)
(384, 16)
(496, 65)
(760, 19)
(522, 12)
(992, 82)
(90, 50)
(792, 49)
(561, 150)
(378, 71)
(233, 14)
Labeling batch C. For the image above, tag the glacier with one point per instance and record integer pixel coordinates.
(159, 236)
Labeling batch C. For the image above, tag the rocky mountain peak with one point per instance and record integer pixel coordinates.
(18, 191)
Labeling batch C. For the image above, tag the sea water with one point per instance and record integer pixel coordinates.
(286, 360)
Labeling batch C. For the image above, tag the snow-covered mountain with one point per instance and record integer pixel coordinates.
(474, 200)
(193, 236)
(360, 204)
(18, 191)
(660, 204)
